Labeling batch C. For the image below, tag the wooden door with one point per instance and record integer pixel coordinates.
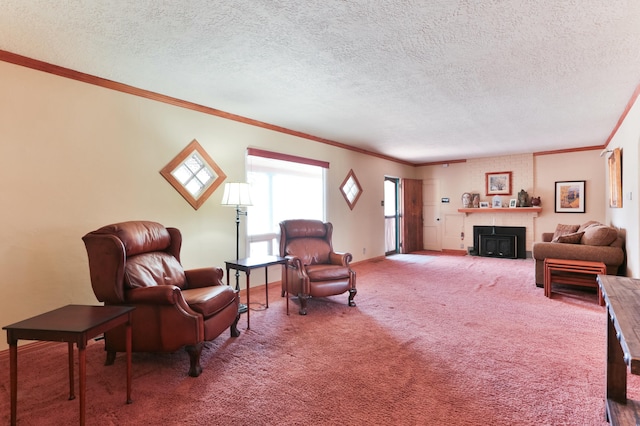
(431, 213)
(411, 215)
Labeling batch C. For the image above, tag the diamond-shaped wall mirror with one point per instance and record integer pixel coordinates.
(351, 189)
(194, 174)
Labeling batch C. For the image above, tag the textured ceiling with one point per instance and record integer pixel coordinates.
(417, 80)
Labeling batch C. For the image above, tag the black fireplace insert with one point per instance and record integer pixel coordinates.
(500, 241)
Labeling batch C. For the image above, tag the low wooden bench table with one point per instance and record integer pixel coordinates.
(72, 324)
(622, 297)
(570, 273)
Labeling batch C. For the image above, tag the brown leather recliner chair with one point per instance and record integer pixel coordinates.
(313, 268)
(138, 264)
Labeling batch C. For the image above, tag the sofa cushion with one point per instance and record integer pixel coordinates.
(599, 235)
(588, 224)
(563, 230)
(573, 238)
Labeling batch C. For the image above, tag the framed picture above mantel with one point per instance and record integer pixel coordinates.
(498, 183)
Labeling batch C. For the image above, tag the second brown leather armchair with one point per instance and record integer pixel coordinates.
(138, 264)
(313, 268)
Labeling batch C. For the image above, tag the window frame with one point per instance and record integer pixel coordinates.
(193, 148)
(273, 235)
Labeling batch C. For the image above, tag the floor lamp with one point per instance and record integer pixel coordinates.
(237, 194)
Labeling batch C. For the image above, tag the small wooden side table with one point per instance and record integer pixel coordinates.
(249, 263)
(72, 324)
(572, 268)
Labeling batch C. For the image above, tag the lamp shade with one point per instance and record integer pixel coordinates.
(236, 194)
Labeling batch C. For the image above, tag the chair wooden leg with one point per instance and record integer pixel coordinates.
(111, 358)
(352, 294)
(234, 327)
(194, 352)
(303, 304)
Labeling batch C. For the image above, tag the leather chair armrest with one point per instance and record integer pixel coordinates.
(338, 258)
(295, 263)
(156, 295)
(204, 277)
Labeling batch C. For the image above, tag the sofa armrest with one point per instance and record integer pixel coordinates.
(547, 237)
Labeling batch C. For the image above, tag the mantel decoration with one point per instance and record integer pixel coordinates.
(193, 174)
(475, 200)
(498, 183)
(615, 179)
(351, 189)
(466, 200)
(570, 196)
(523, 198)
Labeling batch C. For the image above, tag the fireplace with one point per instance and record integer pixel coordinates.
(500, 241)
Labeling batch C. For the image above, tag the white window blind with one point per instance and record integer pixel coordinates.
(282, 187)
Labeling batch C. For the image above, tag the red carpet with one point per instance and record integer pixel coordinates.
(434, 340)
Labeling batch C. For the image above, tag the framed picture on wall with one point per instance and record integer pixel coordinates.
(615, 179)
(570, 196)
(498, 183)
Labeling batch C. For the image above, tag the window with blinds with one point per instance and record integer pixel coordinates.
(282, 187)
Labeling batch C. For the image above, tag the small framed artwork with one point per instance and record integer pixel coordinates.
(484, 204)
(513, 203)
(496, 202)
(615, 179)
(498, 183)
(570, 196)
(475, 200)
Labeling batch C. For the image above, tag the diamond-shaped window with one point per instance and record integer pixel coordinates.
(194, 174)
(351, 189)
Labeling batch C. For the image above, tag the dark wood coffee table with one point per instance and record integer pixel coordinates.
(622, 298)
(72, 324)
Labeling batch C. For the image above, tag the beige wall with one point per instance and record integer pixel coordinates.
(584, 165)
(627, 138)
(75, 157)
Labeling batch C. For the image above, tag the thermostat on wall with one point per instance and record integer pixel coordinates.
(445, 200)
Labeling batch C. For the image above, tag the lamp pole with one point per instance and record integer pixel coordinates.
(237, 194)
(242, 308)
